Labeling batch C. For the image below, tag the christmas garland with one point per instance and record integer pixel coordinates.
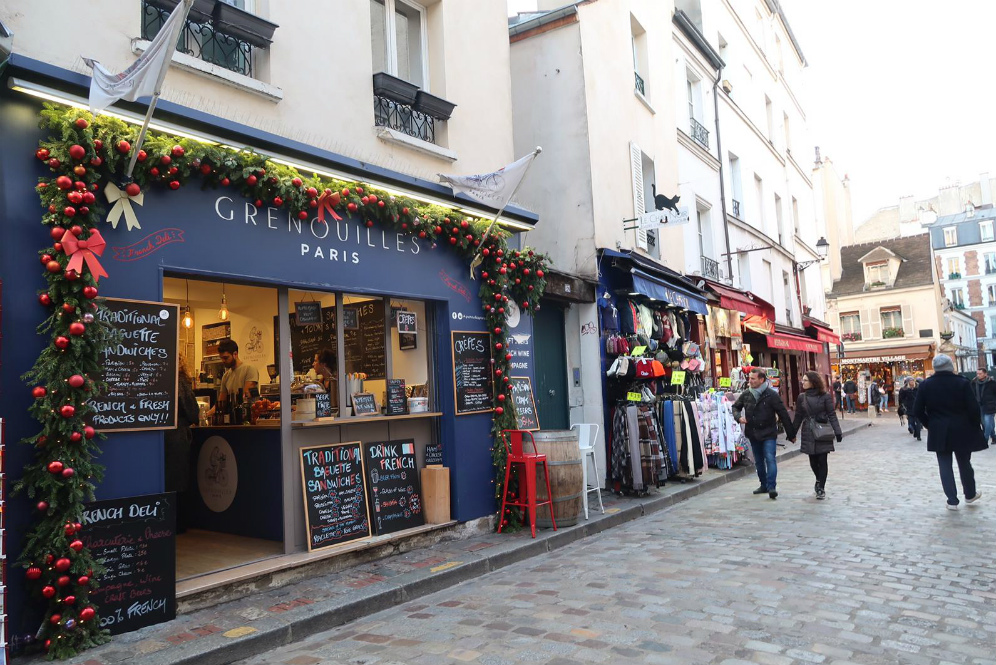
(87, 153)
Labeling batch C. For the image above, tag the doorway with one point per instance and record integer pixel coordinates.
(551, 367)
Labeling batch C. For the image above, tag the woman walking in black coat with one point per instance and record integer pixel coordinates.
(814, 402)
(946, 406)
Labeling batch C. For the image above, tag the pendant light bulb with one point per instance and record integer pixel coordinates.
(223, 312)
(188, 318)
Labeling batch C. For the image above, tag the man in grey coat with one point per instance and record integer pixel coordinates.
(756, 409)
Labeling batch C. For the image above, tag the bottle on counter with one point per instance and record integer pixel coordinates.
(237, 408)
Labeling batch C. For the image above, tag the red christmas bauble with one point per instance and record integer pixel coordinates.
(55, 618)
(539, 273)
(142, 155)
(38, 392)
(87, 613)
(69, 211)
(508, 356)
(68, 472)
(123, 146)
(45, 299)
(225, 182)
(81, 123)
(438, 230)
(453, 241)
(174, 184)
(351, 207)
(89, 432)
(380, 204)
(79, 170)
(48, 591)
(297, 182)
(154, 172)
(42, 153)
(75, 437)
(277, 201)
(88, 198)
(486, 251)
(302, 215)
(63, 580)
(76, 381)
(76, 328)
(165, 160)
(72, 275)
(54, 163)
(499, 410)
(64, 182)
(42, 440)
(67, 411)
(177, 151)
(96, 161)
(404, 211)
(464, 224)
(311, 192)
(501, 398)
(83, 580)
(90, 292)
(252, 180)
(173, 170)
(370, 223)
(76, 230)
(49, 559)
(69, 529)
(62, 342)
(42, 506)
(68, 308)
(372, 198)
(70, 600)
(33, 573)
(498, 345)
(75, 198)
(76, 545)
(62, 564)
(206, 169)
(358, 190)
(133, 189)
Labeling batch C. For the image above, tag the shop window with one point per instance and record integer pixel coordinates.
(892, 322)
(850, 327)
(950, 236)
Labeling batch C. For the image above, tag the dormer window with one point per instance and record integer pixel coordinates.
(878, 273)
(950, 236)
(986, 230)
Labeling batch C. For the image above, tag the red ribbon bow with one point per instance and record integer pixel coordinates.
(80, 251)
(325, 203)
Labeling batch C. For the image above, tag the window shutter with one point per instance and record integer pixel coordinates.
(866, 331)
(639, 207)
(875, 323)
(907, 320)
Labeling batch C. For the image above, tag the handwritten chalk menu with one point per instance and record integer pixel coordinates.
(472, 372)
(433, 453)
(335, 496)
(323, 405)
(307, 339)
(364, 404)
(397, 400)
(395, 491)
(135, 540)
(308, 312)
(525, 405)
(139, 367)
(366, 343)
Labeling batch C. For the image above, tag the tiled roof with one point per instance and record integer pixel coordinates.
(915, 270)
(980, 214)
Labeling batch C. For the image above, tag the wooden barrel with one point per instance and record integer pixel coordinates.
(566, 482)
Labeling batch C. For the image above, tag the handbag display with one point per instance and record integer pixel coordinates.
(822, 432)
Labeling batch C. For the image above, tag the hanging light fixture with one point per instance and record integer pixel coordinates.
(223, 312)
(188, 318)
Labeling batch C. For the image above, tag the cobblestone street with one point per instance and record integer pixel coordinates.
(879, 573)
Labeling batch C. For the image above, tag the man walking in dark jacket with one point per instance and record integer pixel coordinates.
(756, 409)
(907, 398)
(984, 389)
(850, 394)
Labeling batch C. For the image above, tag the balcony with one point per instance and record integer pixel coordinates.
(710, 268)
(214, 32)
(959, 305)
(954, 275)
(851, 337)
(404, 118)
(892, 333)
(639, 84)
(736, 208)
(699, 133)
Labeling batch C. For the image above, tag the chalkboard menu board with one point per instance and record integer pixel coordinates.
(525, 405)
(397, 400)
(335, 496)
(139, 367)
(364, 404)
(472, 372)
(135, 539)
(366, 343)
(308, 339)
(308, 312)
(323, 405)
(395, 490)
(433, 453)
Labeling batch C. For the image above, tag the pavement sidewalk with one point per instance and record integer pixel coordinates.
(242, 628)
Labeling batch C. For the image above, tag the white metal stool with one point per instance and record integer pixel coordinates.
(587, 435)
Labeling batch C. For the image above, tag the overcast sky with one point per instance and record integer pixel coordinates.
(899, 93)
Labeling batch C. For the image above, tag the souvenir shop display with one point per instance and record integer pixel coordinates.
(722, 436)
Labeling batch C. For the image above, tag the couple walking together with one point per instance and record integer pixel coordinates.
(815, 418)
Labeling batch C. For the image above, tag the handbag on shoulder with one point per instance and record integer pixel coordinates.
(822, 432)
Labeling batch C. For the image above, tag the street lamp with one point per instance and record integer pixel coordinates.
(822, 248)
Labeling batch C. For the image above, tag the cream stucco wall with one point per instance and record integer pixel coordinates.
(922, 304)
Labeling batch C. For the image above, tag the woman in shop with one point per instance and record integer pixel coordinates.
(178, 442)
(816, 404)
(324, 366)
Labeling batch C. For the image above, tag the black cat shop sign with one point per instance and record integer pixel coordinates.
(655, 219)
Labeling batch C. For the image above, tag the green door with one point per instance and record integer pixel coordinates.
(550, 363)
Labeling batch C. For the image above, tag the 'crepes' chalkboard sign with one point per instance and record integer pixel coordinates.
(395, 489)
(366, 343)
(135, 539)
(307, 339)
(139, 367)
(397, 400)
(525, 405)
(335, 496)
(472, 382)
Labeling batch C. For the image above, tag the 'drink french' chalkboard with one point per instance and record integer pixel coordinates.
(139, 367)
(335, 497)
(472, 372)
(395, 489)
(135, 539)
(525, 405)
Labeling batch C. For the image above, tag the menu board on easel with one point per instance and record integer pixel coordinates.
(366, 342)
(139, 367)
(472, 382)
(335, 494)
(135, 539)
(525, 405)
(395, 489)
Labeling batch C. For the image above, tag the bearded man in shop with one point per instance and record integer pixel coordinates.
(756, 409)
(238, 375)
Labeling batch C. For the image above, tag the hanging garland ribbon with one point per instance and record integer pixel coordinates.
(328, 201)
(121, 205)
(85, 251)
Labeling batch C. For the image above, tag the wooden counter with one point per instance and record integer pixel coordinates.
(325, 422)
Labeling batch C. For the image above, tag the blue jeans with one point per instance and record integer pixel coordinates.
(850, 403)
(884, 401)
(764, 462)
(965, 470)
(988, 424)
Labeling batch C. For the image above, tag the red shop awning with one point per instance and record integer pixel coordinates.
(823, 333)
(741, 301)
(758, 324)
(794, 343)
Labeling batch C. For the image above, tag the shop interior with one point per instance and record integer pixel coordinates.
(220, 523)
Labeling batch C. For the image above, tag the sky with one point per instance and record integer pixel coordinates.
(900, 94)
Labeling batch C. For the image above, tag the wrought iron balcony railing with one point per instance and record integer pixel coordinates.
(710, 268)
(639, 84)
(699, 132)
(736, 209)
(200, 39)
(403, 118)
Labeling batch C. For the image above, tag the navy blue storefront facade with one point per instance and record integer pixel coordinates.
(216, 235)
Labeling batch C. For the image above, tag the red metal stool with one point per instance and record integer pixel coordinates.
(512, 438)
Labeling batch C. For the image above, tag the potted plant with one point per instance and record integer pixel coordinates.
(954, 275)
(851, 337)
(394, 88)
(243, 25)
(889, 333)
(876, 284)
(437, 107)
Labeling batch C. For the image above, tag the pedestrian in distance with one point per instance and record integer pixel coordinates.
(851, 395)
(837, 397)
(756, 409)
(814, 408)
(875, 397)
(985, 393)
(947, 407)
(907, 400)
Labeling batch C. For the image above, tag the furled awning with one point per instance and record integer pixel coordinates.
(823, 333)
(654, 287)
(741, 301)
(794, 343)
(758, 324)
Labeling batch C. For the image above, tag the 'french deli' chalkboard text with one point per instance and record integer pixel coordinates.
(335, 495)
